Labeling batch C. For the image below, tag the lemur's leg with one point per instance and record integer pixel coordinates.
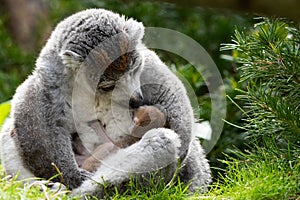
(12, 161)
(157, 150)
(10, 157)
(195, 169)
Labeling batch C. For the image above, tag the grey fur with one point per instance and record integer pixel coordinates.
(41, 125)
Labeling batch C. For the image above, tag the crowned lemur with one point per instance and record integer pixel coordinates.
(95, 67)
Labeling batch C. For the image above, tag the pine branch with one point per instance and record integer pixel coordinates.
(269, 61)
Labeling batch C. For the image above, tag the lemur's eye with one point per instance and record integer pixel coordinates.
(106, 85)
(108, 88)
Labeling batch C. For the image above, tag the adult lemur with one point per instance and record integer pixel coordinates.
(93, 63)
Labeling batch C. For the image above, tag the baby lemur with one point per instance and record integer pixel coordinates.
(144, 119)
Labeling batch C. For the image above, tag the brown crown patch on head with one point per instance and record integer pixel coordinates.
(122, 62)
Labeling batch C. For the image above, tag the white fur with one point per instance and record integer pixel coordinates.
(12, 161)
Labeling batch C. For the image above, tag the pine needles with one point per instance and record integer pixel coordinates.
(269, 61)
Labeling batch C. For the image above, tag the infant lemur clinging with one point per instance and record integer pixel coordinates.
(93, 59)
(145, 118)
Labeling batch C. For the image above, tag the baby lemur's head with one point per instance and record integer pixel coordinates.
(104, 45)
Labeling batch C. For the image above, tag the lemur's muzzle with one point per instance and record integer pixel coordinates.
(136, 100)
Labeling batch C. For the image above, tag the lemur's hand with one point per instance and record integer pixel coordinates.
(147, 118)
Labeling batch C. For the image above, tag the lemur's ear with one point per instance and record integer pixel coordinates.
(135, 30)
(71, 59)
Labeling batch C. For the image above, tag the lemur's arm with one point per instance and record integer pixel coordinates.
(163, 89)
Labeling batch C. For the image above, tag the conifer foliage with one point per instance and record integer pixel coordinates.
(268, 60)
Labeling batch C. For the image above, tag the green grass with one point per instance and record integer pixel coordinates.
(156, 191)
(269, 178)
(11, 189)
(257, 177)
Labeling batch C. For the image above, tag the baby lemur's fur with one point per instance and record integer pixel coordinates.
(95, 59)
(145, 118)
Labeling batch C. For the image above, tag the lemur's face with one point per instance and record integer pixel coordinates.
(126, 67)
(123, 76)
(129, 84)
(105, 52)
(116, 65)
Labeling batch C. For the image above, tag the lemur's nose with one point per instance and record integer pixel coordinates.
(136, 100)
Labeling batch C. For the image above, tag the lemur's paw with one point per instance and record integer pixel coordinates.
(53, 186)
(84, 173)
(161, 139)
